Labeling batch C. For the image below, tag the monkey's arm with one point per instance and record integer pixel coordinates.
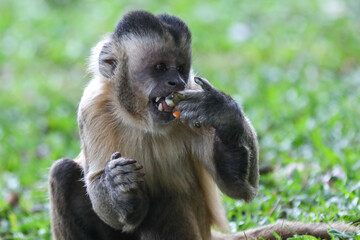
(112, 182)
(234, 164)
(236, 157)
(116, 196)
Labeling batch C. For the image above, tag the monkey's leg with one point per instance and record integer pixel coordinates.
(72, 216)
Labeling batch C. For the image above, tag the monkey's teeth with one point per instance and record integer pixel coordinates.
(157, 99)
(160, 107)
(169, 102)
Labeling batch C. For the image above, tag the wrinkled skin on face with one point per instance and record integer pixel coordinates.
(166, 74)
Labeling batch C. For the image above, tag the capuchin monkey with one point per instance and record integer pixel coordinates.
(156, 144)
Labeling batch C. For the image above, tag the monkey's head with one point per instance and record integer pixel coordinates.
(145, 59)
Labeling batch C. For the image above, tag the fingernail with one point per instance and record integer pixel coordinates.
(198, 80)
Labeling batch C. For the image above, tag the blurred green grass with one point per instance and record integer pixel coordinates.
(292, 65)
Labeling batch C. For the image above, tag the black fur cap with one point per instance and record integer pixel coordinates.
(143, 23)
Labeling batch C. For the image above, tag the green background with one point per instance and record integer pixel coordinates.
(292, 65)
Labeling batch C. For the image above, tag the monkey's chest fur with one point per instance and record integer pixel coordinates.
(169, 160)
(174, 178)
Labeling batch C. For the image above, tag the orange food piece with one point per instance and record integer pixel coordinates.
(176, 114)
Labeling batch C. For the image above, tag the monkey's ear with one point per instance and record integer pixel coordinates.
(107, 60)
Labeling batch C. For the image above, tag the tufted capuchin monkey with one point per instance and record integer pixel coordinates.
(156, 143)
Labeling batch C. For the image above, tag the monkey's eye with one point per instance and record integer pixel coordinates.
(180, 69)
(160, 67)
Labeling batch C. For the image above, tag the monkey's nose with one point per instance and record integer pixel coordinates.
(172, 83)
(177, 84)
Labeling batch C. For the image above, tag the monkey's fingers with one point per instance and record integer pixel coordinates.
(129, 168)
(204, 83)
(120, 162)
(191, 94)
(174, 98)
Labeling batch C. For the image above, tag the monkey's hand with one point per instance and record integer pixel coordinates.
(235, 151)
(122, 175)
(208, 107)
(117, 195)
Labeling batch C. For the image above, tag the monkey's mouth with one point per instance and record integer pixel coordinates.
(164, 104)
(162, 109)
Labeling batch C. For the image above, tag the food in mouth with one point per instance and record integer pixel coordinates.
(176, 114)
(164, 104)
(167, 104)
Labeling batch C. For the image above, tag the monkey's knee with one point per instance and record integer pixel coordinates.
(64, 178)
(72, 217)
(63, 172)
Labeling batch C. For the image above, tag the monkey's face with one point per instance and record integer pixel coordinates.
(147, 58)
(162, 71)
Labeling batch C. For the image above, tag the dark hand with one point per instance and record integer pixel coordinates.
(122, 174)
(208, 107)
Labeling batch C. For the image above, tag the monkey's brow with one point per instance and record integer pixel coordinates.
(161, 53)
(153, 59)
